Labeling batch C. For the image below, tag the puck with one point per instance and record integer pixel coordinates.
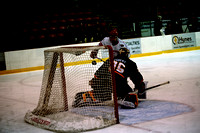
(94, 62)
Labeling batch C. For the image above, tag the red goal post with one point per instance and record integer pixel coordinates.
(67, 101)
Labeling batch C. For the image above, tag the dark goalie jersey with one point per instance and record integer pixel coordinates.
(124, 68)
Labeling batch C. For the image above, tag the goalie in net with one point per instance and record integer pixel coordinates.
(123, 68)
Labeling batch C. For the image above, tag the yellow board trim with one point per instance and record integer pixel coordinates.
(4, 72)
(166, 51)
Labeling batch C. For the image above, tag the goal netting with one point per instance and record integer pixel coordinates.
(77, 93)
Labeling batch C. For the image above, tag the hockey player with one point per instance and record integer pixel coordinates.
(123, 68)
(101, 84)
(113, 41)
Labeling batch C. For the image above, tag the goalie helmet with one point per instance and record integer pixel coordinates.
(124, 52)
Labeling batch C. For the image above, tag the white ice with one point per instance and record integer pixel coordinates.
(20, 92)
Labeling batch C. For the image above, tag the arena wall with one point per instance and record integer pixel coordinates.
(34, 58)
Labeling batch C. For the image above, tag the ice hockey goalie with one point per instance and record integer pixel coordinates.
(124, 68)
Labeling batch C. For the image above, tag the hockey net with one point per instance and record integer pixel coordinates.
(69, 100)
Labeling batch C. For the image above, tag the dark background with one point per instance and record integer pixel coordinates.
(36, 24)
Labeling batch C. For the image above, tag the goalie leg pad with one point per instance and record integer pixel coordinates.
(82, 98)
(88, 94)
(131, 98)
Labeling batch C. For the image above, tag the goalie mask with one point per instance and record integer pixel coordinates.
(124, 52)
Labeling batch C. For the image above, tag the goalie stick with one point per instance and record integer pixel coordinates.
(152, 87)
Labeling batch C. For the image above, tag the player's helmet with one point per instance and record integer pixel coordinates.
(124, 52)
(113, 32)
(113, 36)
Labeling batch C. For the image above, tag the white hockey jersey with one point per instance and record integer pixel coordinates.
(116, 48)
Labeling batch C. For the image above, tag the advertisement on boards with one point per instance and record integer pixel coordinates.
(134, 45)
(183, 40)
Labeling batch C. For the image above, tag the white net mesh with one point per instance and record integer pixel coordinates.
(76, 94)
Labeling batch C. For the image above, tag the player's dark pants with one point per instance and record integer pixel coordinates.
(122, 89)
(102, 89)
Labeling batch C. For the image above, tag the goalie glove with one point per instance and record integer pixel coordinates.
(141, 90)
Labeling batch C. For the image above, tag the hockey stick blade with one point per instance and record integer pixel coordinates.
(154, 87)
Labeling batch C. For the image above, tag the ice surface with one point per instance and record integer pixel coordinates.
(20, 92)
(152, 110)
